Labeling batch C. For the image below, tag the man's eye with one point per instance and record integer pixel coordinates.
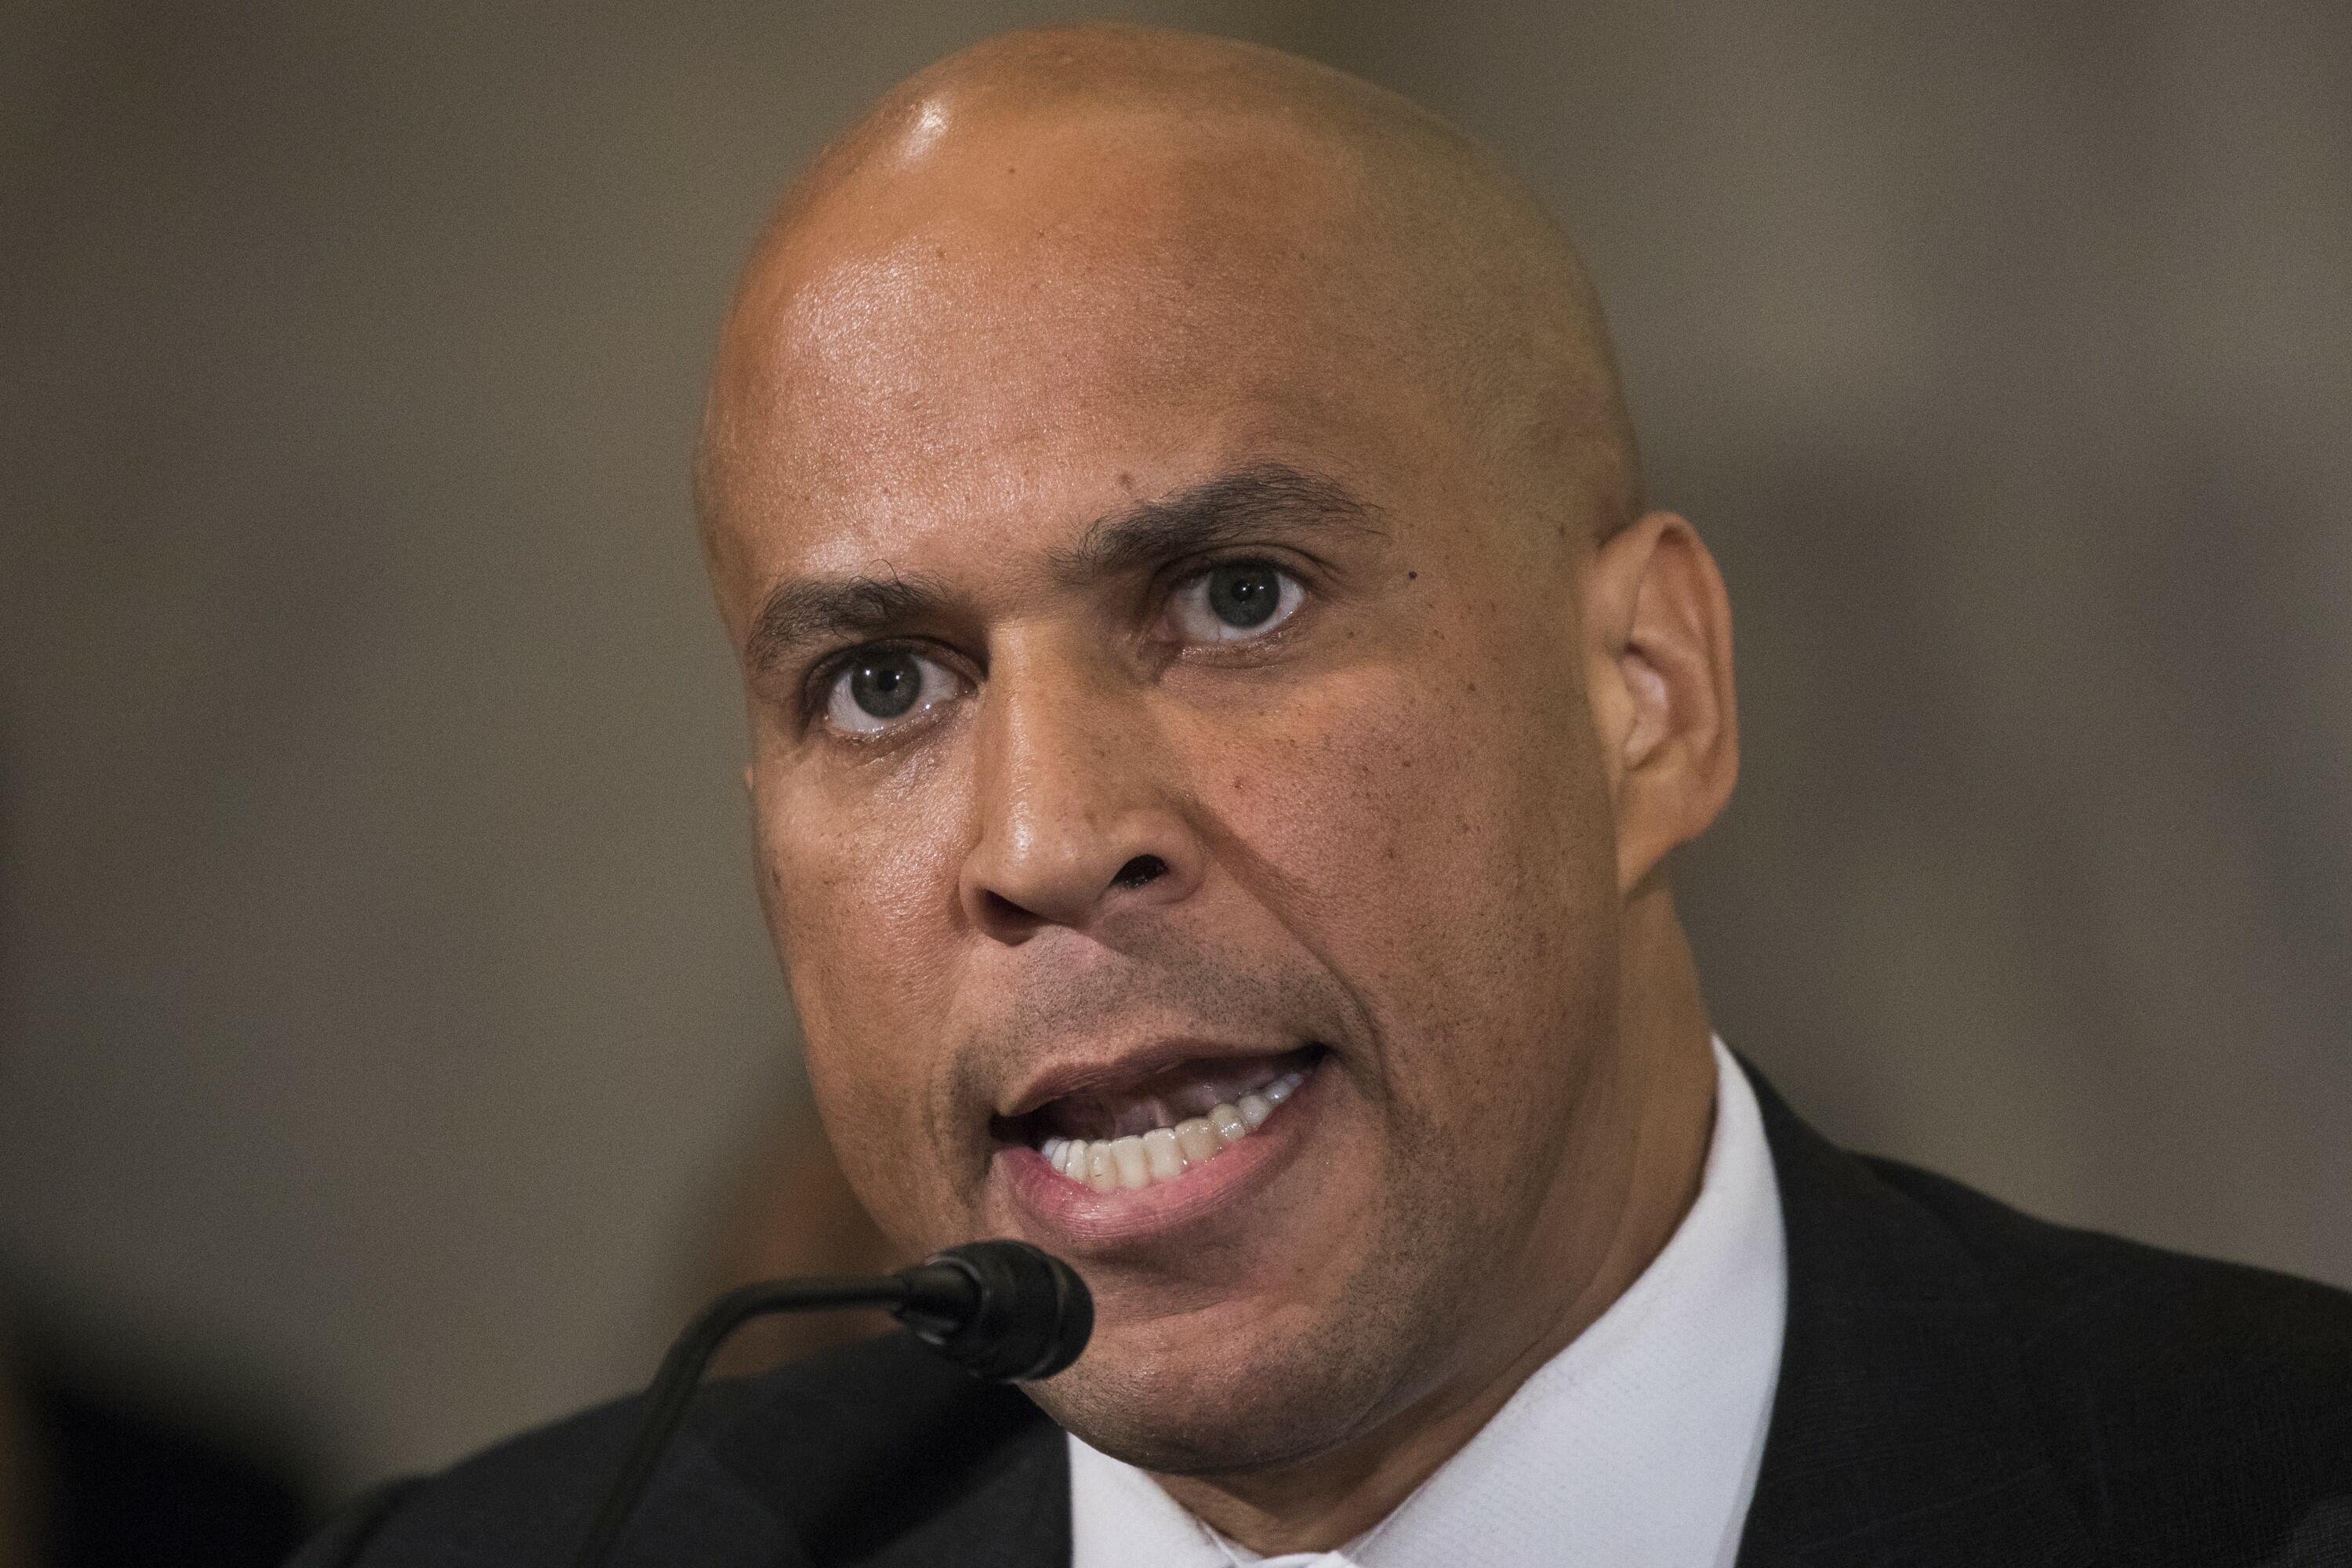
(1234, 600)
(886, 686)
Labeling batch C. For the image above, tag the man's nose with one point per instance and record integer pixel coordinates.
(1076, 819)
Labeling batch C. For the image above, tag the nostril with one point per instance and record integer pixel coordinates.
(1142, 869)
(1002, 911)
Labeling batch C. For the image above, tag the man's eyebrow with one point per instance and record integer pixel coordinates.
(808, 611)
(1239, 506)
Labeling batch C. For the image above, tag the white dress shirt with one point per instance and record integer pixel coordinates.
(1638, 1445)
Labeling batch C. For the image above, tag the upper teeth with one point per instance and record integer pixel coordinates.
(1165, 1152)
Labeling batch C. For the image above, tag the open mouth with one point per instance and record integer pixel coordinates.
(1156, 1131)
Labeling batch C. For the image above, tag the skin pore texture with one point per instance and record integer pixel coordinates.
(1182, 535)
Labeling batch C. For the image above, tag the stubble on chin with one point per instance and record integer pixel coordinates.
(1318, 1371)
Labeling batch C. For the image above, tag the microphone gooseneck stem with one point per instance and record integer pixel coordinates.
(681, 1370)
(1002, 1309)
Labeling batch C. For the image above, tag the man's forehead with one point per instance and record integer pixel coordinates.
(1052, 244)
(991, 312)
(1038, 520)
(962, 376)
(894, 338)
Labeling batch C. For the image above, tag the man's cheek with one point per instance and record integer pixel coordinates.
(865, 905)
(863, 922)
(874, 1071)
(1342, 798)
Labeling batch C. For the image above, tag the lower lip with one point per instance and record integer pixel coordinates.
(1075, 1217)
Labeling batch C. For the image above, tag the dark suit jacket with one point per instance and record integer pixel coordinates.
(1960, 1385)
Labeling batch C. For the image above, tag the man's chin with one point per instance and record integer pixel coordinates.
(1216, 1408)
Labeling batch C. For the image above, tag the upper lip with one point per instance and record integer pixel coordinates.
(1099, 1074)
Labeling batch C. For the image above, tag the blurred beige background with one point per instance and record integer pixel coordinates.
(383, 1014)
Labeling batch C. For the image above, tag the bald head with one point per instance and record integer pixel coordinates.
(1220, 193)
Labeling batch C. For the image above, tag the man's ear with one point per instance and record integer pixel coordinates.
(1658, 631)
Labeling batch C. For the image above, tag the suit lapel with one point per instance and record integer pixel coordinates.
(883, 1455)
(1020, 1518)
(1017, 1520)
(1900, 1428)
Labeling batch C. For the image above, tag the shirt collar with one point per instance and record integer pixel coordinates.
(1640, 1442)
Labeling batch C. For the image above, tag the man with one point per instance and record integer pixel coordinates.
(1220, 715)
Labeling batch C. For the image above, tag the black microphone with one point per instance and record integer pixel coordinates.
(1003, 1311)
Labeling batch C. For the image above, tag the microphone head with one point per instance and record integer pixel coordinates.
(1006, 1310)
